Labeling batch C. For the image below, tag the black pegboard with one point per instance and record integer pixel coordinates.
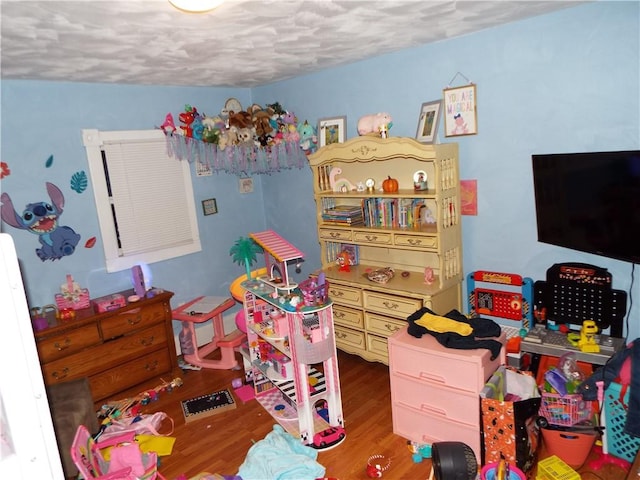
(574, 292)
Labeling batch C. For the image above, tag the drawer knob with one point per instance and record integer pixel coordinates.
(334, 235)
(392, 328)
(147, 341)
(63, 346)
(341, 335)
(336, 293)
(134, 321)
(391, 305)
(60, 376)
(371, 238)
(151, 366)
(415, 242)
(339, 315)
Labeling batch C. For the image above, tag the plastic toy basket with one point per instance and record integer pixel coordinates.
(314, 294)
(565, 410)
(619, 443)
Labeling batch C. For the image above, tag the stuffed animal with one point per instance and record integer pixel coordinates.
(240, 119)
(261, 122)
(245, 137)
(197, 128)
(371, 124)
(308, 137)
(290, 133)
(187, 118)
(168, 127)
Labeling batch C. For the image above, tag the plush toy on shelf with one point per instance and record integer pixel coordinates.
(374, 124)
(308, 137)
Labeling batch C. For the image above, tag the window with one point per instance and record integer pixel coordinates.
(144, 198)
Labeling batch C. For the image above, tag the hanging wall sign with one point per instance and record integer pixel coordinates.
(460, 111)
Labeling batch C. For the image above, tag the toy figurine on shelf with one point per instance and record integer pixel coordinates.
(344, 260)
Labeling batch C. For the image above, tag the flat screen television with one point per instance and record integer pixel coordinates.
(589, 202)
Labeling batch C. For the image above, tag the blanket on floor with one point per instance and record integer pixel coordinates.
(280, 456)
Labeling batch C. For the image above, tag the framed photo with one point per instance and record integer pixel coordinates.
(209, 206)
(332, 130)
(428, 121)
(460, 111)
(245, 185)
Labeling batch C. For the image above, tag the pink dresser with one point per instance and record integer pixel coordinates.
(435, 390)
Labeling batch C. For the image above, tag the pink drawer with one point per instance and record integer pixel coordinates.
(435, 400)
(425, 359)
(418, 427)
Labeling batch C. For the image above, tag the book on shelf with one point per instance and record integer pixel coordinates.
(343, 215)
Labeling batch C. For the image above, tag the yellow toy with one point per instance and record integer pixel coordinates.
(587, 342)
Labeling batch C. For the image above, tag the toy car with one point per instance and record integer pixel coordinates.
(328, 438)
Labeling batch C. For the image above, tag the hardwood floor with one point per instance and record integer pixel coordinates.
(219, 443)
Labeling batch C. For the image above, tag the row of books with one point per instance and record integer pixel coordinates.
(382, 212)
(396, 213)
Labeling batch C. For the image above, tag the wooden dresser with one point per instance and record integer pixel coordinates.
(115, 350)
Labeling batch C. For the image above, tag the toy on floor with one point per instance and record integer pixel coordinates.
(377, 465)
(419, 451)
(130, 407)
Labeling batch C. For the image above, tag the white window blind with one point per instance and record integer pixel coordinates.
(144, 198)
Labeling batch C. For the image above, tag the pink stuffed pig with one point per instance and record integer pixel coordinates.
(372, 123)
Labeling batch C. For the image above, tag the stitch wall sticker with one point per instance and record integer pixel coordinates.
(42, 219)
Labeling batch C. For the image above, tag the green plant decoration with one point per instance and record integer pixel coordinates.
(244, 252)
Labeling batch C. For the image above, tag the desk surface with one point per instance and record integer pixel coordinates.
(546, 342)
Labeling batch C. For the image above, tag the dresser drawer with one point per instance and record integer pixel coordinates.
(381, 325)
(377, 238)
(104, 356)
(347, 317)
(418, 427)
(348, 338)
(415, 241)
(335, 234)
(435, 400)
(377, 347)
(68, 343)
(424, 359)
(345, 295)
(132, 320)
(400, 307)
(105, 384)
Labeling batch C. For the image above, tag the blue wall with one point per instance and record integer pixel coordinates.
(567, 81)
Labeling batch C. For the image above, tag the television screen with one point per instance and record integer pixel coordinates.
(589, 202)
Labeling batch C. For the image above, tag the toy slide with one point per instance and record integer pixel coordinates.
(236, 290)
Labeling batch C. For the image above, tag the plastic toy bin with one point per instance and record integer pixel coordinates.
(552, 468)
(619, 443)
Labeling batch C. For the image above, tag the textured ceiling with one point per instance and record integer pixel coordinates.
(243, 43)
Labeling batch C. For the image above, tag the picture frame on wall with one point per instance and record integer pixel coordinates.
(332, 130)
(209, 206)
(428, 121)
(460, 114)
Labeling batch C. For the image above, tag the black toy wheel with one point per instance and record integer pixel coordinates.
(542, 422)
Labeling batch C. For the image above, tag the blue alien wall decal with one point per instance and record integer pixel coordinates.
(43, 219)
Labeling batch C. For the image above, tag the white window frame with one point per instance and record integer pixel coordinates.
(146, 236)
